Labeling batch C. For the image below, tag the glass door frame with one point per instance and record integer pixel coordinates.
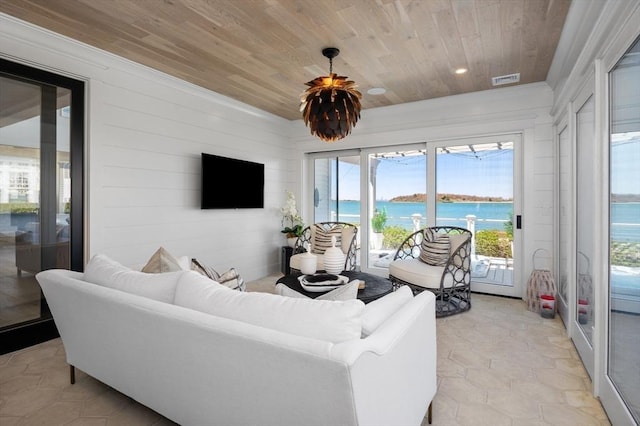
(584, 347)
(604, 387)
(368, 203)
(42, 329)
(517, 290)
(566, 306)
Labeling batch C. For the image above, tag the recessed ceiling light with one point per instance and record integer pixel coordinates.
(461, 71)
(377, 91)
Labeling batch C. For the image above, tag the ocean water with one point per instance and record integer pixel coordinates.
(488, 215)
(626, 216)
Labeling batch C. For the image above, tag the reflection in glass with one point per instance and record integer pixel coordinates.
(624, 244)
(337, 190)
(585, 204)
(35, 193)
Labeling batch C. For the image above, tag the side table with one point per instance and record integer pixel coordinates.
(285, 259)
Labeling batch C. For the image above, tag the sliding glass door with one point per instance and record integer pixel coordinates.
(396, 191)
(585, 308)
(470, 183)
(475, 190)
(623, 354)
(40, 139)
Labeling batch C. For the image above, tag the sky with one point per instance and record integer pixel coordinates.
(625, 156)
(489, 174)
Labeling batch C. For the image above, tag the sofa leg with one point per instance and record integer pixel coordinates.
(430, 412)
(72, 374)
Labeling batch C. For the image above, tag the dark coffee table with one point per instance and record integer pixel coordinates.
(375, 286)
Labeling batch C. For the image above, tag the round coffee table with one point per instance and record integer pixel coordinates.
(375, 286)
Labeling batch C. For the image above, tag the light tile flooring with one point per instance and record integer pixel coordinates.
(498, 364)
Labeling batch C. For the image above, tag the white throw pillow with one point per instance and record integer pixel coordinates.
(333, 321)
(348, 291)
(106, 272)
(377, 312)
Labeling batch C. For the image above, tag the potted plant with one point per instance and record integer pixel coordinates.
(378, 222)
(291, 220)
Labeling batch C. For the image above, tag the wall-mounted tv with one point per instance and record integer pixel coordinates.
(229, 183)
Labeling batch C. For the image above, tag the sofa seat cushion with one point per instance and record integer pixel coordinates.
(332, 321)
(419, 273)
(104, 271)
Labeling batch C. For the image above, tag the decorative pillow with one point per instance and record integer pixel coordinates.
(322, 238)
(434, 249)
(332, 321)
(162, 261)
(377, 312)
(230, 279)
(106, 272)
(347, 235)
(348, 291)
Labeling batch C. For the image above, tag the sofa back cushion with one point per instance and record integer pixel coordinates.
(106, 272)
(378, 311)
(332, 321)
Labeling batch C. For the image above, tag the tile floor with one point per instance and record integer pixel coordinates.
(498, 364)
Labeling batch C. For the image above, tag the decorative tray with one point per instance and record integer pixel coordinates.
(322, 282)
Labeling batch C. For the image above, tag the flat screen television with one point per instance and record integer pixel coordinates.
(229, 183)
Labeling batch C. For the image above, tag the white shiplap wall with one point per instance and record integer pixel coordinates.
(145, 133)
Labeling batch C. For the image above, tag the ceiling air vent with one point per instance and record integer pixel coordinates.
(505, 79)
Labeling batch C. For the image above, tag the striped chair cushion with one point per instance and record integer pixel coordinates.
(322, 238)
(434, 249)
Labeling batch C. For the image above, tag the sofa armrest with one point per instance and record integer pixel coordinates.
(418, 312)
(396, 366)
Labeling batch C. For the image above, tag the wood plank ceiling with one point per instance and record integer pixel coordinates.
(262, 52)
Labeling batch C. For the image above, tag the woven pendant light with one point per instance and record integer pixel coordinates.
(331, 105)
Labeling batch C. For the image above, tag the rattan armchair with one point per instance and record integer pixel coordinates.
(348, 243)
(450, 282)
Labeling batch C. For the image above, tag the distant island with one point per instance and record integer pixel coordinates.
(625, 198)
(449, 198)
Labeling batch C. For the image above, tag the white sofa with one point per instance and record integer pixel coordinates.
(200, 353)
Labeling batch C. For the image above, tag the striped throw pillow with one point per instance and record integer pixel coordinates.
(230, 279)
(322, 239)
(434, 249)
